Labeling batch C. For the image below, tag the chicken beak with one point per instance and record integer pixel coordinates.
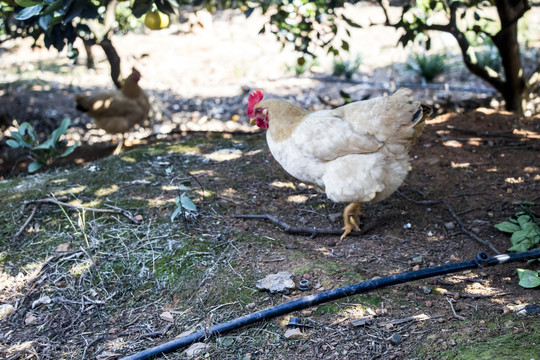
(252, 121)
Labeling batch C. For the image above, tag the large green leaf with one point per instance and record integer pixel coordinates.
(27, 3)
(528, 278)
(28, 12)
(141, 7)
(69, 150)
(47, 144)
(34, 166)
(187, 203)
(176, 211)
(507, 226)
(12, 143)
(61, 130)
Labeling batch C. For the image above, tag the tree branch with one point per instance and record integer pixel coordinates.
(294, 230)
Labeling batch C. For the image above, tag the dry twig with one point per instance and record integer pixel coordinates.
(312, 232)
(454, 310)
(59, 202)
(473, 296)
(32, 214)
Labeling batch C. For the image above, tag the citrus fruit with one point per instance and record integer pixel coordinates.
(156, 20)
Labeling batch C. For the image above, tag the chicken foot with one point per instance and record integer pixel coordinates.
(350, 219)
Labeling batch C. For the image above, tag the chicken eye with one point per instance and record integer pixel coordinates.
(258, 111)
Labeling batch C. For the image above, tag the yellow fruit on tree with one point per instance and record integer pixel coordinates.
(156, 20)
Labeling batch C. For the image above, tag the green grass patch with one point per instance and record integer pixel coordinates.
(511, 346)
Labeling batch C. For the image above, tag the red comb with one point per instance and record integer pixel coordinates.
(254, 97)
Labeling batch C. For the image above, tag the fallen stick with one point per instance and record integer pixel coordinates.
(113, 209)
(421, 317)
(51, 201)
(472, 296)
(454, 310)
(16, 236)
(312, 232)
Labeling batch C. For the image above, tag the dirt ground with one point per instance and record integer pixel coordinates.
(118, 288)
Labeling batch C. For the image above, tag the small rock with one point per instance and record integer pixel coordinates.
(277, 283)
(294, 334)
(426, 290)
(395, 339)
(45, 300)
(30, 319)
(5, 310)
(306, 276)
(418, 259)
(449, 225)
(138, 217)
(334, 216)
(167, 316)
(432, 161)
(475, 230)
(65, 247)
(416, 267)
(196, 349)
(381, 312)
(407, 226)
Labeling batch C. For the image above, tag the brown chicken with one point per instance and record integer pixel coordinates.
(117, 111)
(357, 153)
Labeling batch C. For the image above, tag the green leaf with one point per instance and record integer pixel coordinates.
(28, 12)
(27, 3)
(519, 237)
(524, 221)
(55, 6)
(25, 128)
(61, 130)
(141, 7)
(175, 213)
(34, 166)
(13, 144)
(528, 278)
(520, 247)
(182, 187)
(69, 150)
(187, 203)
(47, 144)
(507, 226)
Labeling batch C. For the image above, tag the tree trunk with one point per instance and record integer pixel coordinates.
(506, 41)
(90, 63)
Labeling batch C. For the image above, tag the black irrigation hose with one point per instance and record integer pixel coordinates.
(482, 259)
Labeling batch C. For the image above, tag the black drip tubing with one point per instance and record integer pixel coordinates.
(482, 260)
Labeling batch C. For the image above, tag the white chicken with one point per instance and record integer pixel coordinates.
(357, 153)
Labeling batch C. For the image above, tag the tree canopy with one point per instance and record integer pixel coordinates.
(308, 25)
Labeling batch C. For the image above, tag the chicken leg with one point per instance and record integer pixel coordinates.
(121, 140)
(350, 218)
